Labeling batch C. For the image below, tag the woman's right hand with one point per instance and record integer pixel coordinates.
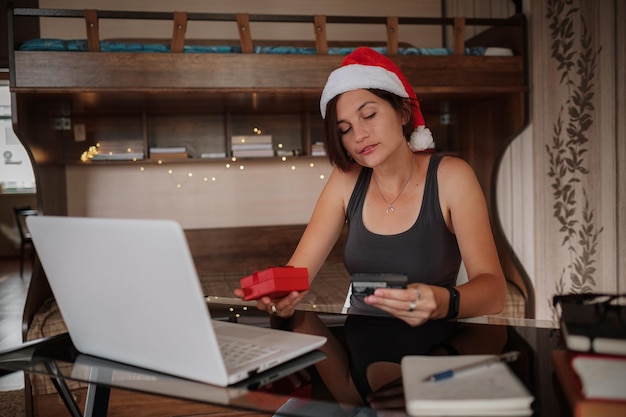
(415, 304)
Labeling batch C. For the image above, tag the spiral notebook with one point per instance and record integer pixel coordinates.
(492, 390)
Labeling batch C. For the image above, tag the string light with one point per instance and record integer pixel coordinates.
(212, 179)
(88, 155)
(207, 179)
(94, 150)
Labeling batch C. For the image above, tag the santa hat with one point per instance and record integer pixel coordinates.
(365, 68)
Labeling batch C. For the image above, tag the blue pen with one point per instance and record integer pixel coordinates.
(449, 373)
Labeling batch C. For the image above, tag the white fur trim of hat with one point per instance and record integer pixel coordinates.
(365, 68)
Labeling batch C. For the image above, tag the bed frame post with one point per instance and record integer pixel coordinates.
(459, 36)
(180, 27)
(392, 35)
(319, 25)
(93, 31)
(243, 25)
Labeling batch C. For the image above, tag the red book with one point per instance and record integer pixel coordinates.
(572, 387)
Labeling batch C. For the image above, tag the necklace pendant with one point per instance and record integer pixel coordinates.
(389, 209)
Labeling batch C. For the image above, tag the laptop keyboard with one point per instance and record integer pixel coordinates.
(237, 353)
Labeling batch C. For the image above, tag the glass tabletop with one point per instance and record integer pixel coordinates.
(296, 389)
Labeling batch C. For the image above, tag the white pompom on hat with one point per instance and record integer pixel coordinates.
(365, 68)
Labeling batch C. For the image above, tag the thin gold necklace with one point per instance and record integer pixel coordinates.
(389, 209)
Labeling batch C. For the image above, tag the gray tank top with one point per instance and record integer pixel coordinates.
(426, 253)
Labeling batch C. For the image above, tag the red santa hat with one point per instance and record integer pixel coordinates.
(365, 68)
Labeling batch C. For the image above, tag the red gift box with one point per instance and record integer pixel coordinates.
(275, 282)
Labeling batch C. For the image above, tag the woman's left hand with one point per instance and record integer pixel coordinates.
(415, 304)
(283, 307)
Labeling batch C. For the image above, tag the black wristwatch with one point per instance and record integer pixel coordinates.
(455, 299)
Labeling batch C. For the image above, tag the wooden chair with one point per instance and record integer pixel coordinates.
(25, 239)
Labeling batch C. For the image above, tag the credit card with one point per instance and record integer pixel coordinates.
(365, 284)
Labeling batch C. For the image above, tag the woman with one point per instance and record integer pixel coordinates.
(408, 211)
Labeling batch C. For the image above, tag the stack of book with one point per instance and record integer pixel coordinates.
(253, 146)
(317, 149)
(213, 155)
(592, 368)
(168, 152)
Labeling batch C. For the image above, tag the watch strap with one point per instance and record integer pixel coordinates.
(453, 306)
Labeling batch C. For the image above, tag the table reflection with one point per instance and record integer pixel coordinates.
(364, 355)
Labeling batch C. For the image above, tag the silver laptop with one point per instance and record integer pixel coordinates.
(128, 291)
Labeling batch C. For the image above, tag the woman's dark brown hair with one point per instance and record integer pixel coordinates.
(337, 154)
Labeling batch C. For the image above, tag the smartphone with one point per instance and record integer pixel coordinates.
(365, 284)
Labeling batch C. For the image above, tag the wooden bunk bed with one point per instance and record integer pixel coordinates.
(474, 104)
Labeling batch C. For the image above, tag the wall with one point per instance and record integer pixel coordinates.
(578, 96)
(427, 37)
(201, 195)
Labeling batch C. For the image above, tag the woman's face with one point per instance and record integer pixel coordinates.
(370, 128)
